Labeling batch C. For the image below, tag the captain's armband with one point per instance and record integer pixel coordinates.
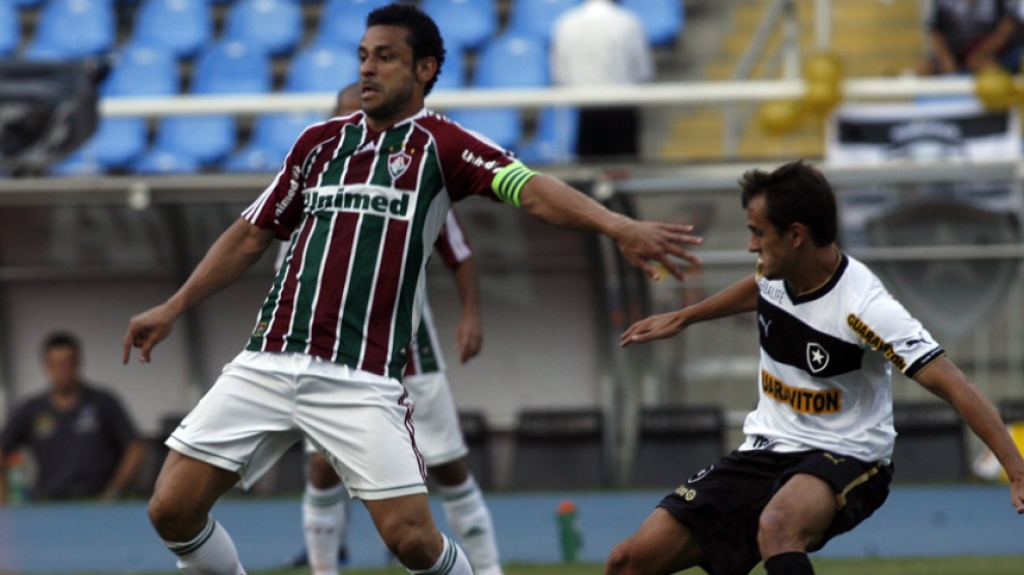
(509, 181)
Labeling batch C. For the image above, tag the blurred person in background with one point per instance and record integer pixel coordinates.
(598, 44)
(438, 436)
(81, 437)
(964, 36)
(361, 199)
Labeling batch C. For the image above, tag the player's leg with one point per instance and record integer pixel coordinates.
(324, 516)
(405, 525)
(661, 545)
(439, 439)
(795, 520)
(180, 511)
(467, 514)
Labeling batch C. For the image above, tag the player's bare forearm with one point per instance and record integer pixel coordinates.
(469, 334)
(236, 250)
(945, 380)
(640, 242)
(738, 298)
(126, 469)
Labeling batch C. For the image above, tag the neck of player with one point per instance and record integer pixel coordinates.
(815, 269)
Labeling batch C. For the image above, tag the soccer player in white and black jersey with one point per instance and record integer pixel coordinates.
(816, 461)
(361, 199)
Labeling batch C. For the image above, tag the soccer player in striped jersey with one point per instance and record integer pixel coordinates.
(361, 199)
(816, 461)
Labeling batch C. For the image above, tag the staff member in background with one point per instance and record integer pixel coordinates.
(967, 35)
(601, 44)
(81, 437)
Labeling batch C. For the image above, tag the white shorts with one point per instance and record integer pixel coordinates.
(438, 435)
(265, 402)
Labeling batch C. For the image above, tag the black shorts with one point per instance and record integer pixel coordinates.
(721, 505)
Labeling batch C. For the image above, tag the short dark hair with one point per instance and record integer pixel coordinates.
(424, 37)
(795, 192)
(61, 339)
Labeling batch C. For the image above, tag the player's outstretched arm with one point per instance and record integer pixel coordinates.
(945, 380)
(468, 334)
(640, 242)
(237, 249)
(738, 298)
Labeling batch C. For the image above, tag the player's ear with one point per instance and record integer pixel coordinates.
(799, 233)
(426, 69)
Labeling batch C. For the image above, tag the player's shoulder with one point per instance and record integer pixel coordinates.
(444, 131)
(328, 129)
(858, 279)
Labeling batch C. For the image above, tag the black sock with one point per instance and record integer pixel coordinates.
(792, 563)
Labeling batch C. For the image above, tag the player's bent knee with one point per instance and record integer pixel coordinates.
(776, 532)
(622, 560)
(415, 546)
(173, 520)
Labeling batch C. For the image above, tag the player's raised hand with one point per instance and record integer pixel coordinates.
(148, 329)
(468, 337)
(644, 242)
(1017, 494)
(655, 327)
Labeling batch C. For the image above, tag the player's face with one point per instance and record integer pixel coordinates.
(387, 75)
(61, 365)
(776, 249)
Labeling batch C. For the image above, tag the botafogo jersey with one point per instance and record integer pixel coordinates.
(826, 365)
(425, 351)
(361, 210)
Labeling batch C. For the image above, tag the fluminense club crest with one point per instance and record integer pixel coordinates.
(398, 163)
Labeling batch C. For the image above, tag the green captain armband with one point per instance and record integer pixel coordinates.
(509, 181)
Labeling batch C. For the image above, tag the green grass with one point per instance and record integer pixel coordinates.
(916, 566)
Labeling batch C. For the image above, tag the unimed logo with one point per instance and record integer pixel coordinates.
(359, 199)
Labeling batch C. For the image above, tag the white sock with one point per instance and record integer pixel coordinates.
(325, 522)
(452, 561)
(471, 521)
(210, 553)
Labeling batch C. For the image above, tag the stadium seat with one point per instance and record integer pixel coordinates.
(274, 25)
(555, 139)
(675, 443)
(342, 22)
(142, 71)
(159, 162)
(537, 17)
(464, 24)
(119, 141)
(181, 26)
(509, 61)
(69, 29)
(81, 162)
(273, 136)
(227, 67)
(322, 67)
(930, 445)
(663, 20)
(559, 449)
(453, 75)
(10, 28)
(477, 435)
(27, 3)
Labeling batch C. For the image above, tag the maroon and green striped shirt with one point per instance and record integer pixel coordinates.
(361, 210)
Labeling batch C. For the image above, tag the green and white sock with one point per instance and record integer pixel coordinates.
(452, 561)
(471, 521)
(212, 552)
(325, 525)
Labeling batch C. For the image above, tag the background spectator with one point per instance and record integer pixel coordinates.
(601, 44)
(82, 439)
(966, 35)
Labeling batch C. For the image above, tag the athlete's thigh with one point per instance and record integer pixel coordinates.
(660, 546)
(362, 423)
(436, 419)
(804, 506)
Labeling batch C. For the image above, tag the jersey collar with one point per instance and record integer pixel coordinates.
(825, 288)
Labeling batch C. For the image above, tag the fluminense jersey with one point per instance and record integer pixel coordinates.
(826, 365)
(425, 356)
(361, 210)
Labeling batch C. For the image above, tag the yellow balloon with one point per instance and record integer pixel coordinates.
(824, 67)
(822, 96)
(995, 88)
(779, 118)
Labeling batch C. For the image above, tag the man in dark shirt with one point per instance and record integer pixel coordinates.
(82, 439)
(967, 35)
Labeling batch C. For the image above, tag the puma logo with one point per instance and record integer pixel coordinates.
(764, 324)
(833, 458)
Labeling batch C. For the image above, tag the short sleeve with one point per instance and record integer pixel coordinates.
(279, 207)
(16, 432)
(452, 243)
(116, 420)
(474, 165)
(885, 326)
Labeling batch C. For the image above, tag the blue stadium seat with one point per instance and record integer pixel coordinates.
(81, 162)
(342, 22)
(537, 17)
(10, 28)
(27, 3)
(663, 20)
(555, 140)
(227, 67)
(464, 23)
(272, 138)
(453, 75)
(181, 26)
(322, 67)
(73, 29)
(166, 163)
(119, 141)
(509, 61)
(274, 25)
(142, 71)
